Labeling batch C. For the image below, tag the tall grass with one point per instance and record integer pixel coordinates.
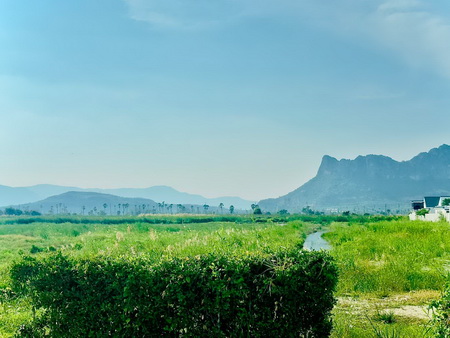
(135, 237)
(392, 256)
(143, 238)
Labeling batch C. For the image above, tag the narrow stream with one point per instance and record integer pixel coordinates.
(315, 242)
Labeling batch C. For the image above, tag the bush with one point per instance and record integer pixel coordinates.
(35, 249)
(440, 309)
(422, 212)
(287, 294)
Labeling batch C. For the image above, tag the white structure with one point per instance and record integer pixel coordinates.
(436, 211)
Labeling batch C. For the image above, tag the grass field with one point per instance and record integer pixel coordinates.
(389, 274)
(159, 238)
(390, 269)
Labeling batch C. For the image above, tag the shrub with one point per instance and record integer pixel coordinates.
(440, 310)
(287, 294)
(387, 317)
(35, 249)
(422, 212)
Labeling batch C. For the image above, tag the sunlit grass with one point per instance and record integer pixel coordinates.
(391, 256)
(385, 270)
(155, 241)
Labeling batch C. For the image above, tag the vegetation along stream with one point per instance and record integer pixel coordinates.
(315, 242)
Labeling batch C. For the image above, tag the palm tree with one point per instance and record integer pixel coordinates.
(179, 208)
(221, 207)
(231, 209)
(205, 207)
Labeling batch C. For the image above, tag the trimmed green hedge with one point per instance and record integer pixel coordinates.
(288, 294)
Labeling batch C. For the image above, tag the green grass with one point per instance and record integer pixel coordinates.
(171, 237)
(385, 263)
(388, 257)
(387, 269)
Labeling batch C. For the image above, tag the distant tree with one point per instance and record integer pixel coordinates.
(253, 206)
(105, 206)
(231, 209)
(257, 210)
(221, 207)
(205, 207)
(180, 208)
(283, 212)
(422, 212)
(13, 212)
(307, 210)
(446, 202)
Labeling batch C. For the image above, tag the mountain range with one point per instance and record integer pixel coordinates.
(369, 183)
(24, 195)
(94, 203)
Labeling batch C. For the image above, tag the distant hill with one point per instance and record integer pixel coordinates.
(90, 203)
(369, 183)
(25, 195)
(93, 203)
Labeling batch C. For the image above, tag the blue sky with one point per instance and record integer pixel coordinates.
(216, 97)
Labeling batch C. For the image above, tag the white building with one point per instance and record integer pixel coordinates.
(436, 210)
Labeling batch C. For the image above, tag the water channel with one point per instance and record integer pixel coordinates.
(315, 242)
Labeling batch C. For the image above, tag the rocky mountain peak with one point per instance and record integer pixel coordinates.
(371, 180)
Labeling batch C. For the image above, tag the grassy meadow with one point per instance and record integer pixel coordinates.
(390, 268)
(390, 271)
(156, 238)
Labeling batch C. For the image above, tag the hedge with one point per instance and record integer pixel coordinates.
(288, 294)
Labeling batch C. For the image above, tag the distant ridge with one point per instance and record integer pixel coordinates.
(369, 183)
(85, 203)
(25, 195)
(93, 203)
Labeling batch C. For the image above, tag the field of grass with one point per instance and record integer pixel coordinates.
(159, 238)
(389, 274)
(390, 268)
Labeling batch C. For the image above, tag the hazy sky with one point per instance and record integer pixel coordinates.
(216, 97)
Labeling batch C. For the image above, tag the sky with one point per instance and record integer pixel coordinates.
(216, 97)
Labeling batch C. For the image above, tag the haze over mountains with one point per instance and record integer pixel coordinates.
(94, 203)
(369, 183)
(24, 195)
(85, 203)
